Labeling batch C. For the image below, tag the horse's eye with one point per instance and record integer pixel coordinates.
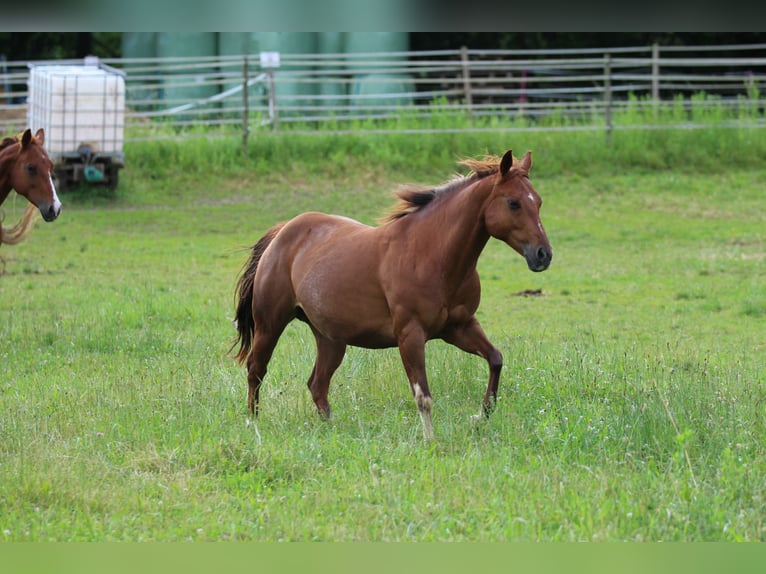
(513, 204)
(31, 169)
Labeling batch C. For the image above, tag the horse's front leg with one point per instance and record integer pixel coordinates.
(412, 348)
(470, 337)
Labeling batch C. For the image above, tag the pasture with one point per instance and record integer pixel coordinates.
(631, 401)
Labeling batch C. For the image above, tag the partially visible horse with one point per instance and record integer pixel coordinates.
(26, 167)
(400, 284)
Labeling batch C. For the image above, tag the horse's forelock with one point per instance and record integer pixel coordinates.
(490, 165)
(483, 167)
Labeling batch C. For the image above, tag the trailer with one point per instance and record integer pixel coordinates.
(82, 110)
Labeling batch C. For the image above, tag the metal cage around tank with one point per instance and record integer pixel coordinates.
(82, 110)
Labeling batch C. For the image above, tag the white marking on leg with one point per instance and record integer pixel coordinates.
(424, 409)
(251, 423)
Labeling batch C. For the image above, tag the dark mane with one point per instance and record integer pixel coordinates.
(412, 198)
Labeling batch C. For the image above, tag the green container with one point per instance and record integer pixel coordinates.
(186, 86)
(139, 44)
(141, 93)
(371, 80)
(332, 92)
(241, 44)
(374, 42)
(237, 43)
(293, 84)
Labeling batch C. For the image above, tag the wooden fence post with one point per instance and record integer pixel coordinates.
(269, 61)
(273, 114)
(467, 81)
(608, 96)
(245, 106)
(656, 71)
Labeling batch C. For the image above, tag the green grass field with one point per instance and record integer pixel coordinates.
(632, 397)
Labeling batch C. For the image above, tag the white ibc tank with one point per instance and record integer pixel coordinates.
(77, 105)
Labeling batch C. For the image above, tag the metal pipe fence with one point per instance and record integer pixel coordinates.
(405, 91)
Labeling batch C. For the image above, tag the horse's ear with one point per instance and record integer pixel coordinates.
(40, 136)
(526, 161)
(506, 162)
(26, 138)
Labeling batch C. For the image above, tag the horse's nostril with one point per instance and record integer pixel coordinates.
(542, 254)
(52, 212)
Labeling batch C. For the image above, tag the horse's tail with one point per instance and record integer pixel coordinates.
(19, 231)
(244, 315)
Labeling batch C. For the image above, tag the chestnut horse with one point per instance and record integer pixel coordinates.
(409, 280)
(26, 167)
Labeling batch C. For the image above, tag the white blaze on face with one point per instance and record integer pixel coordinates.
(539, 223)
(56, 202)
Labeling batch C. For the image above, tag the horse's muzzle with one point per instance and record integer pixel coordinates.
(51, 211)
(538, 257)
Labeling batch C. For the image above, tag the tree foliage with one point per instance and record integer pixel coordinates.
(549, 40)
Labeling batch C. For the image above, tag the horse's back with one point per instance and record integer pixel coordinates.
(329, 267)
(310, 234)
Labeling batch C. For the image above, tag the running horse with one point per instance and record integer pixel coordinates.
(409, 280)
(26, 167)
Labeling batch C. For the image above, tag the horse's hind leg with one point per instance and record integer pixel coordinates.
(329, 357)
(257, 362)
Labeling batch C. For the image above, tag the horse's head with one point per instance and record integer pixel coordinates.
(31, 175)
(513, 212)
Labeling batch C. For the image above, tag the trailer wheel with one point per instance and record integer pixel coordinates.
(113, 177)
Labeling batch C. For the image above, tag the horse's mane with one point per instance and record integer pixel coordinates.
(411, 198)
(8, 142)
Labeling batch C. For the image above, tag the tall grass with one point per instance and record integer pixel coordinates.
(687, 134)
(631, 399)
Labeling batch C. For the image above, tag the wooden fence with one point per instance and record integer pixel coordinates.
(173, 97)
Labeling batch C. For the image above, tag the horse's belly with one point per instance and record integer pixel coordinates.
(346, 305)
(351, 325)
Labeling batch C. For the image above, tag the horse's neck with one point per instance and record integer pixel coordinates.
(457, 230)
